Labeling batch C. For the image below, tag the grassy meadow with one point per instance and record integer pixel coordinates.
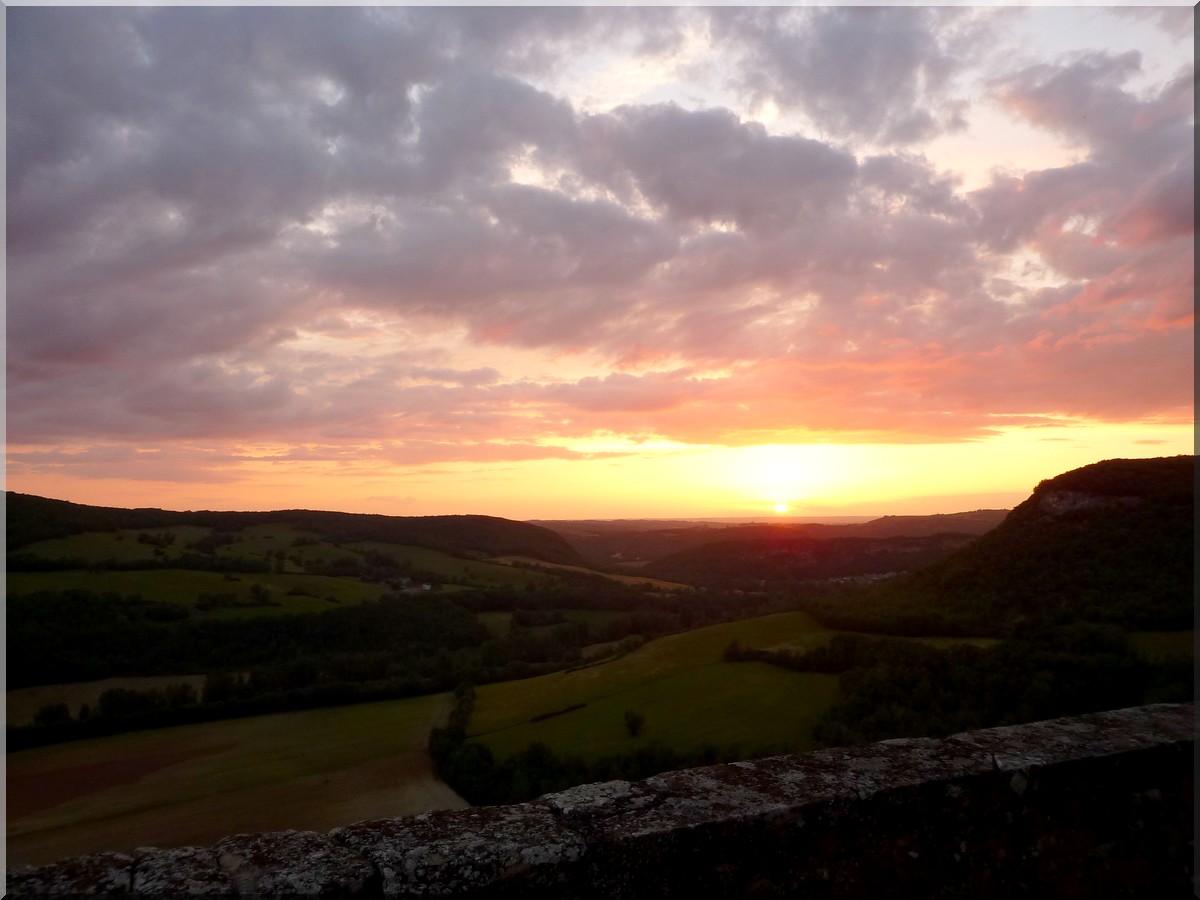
(195, 784)
(751, 706)
(689, 696)
(1157, 646)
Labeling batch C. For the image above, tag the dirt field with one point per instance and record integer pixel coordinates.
(196, 784)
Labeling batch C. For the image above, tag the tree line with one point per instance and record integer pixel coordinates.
(894, 688)
(398, 646)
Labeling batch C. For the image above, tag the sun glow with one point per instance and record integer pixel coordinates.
(784, 475)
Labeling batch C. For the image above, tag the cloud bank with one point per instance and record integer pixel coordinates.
(397, 233)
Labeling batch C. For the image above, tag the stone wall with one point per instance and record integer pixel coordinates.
(1093, 806)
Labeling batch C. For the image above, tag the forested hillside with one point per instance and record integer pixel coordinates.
(1110, 542)
(628, 541)
(780, 560)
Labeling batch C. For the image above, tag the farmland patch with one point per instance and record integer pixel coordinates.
(310, 770)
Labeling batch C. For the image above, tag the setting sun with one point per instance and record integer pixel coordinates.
(781, 507)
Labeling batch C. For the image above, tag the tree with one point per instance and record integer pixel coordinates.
(634, 723)
(52, 714)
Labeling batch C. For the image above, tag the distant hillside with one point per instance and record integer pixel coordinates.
(31, 519)
(1109, 542)
(626, 541)
(977, 521)
(774, 561)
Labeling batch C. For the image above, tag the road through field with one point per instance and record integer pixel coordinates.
(195, 784)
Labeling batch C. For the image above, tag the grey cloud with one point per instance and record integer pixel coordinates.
(628, 393)
(1177, 21)
(597, 241)
(538, 40)
(880, 73)
(460, 258)
(189, 190)
(708, 165)
(173, 464)
(913, 182)
(1082, 99)
(1137, 181)
(472, 124)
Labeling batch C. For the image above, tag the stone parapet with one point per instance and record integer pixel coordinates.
(1097, 805)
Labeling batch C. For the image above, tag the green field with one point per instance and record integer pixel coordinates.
(195, 784)
(1163, 645)
(689, 696)
(455, 569)
(751, 707)
(665, 680)
(623, 579)
(184, 587)
(258, 540)
(121, 546)
(301, 548)
(497, 623)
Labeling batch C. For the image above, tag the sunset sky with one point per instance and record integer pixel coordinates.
(594, 262)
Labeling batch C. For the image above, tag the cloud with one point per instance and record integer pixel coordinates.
(1120, 222)
(389, 234)
(880, 74)
(1177, 21)
(172, 464)
(709, 166)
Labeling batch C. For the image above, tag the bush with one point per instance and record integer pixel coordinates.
(634, 723)
(52, 714)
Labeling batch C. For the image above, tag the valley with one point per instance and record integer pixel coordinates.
(174, 677)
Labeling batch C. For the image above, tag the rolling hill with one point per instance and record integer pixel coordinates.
(32, 519)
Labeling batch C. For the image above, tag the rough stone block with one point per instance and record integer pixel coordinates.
(296, 863)
(851, 773)
(98, 873)
(179, 871)
(1091, 736)
(1096, 805)
(498, 850)
(587, 807)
